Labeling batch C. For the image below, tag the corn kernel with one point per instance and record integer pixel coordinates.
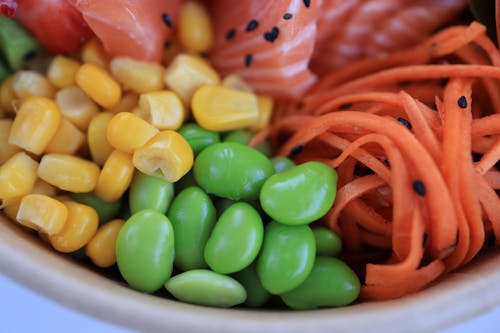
(68, 172)
(35, 124)
(127, 131)
(195, 30)
(93, 52)
(28, 83)
(62, 70)
(167, 155)
(42, 213)
(233, 81)
(139, 76)
(11, 206)
(98, 84)
(163, 109)
(101, 249)
(265, 106)
(7, 95)
(67, 140)
(17, 176)
(218, 108)
(8, 150)
(115, 176)
(76, 106)
(98, 144)
(187, 73)
(127, 103)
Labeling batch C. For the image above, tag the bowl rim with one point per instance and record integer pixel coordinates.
(24, 258)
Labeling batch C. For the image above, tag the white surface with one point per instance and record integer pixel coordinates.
(22, 310)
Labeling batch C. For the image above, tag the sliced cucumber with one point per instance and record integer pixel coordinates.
(17, 45)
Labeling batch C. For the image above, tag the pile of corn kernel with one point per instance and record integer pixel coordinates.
(89, 122)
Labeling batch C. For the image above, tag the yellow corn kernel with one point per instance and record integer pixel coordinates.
(167, 155)
(98, 84)
(139, 76)
(62, 70)
(36, 123)
(92, 52)
(265, 106)
(79, 228)
(101, 249)
(68, 172)
(115, 176)
(76, 106)
(187, 73)
(218, 108)
(233, 81)
(127, 131)
(42, 213)
(127, 103)
(163, 109)
(11, 206)
(67, 140)
(195, 30)
(17, 176)
(7, 95)
(7, 150)
(28, 83)
(97, 141)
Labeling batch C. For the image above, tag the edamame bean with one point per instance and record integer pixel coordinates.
(256, 294)
(286, 257)
(301, 194)
(243, 136)
(328, 243)
(149, 192)
(204, 287)
(331, 283)
(282, 163)
(193, 216)
(198, 137)
(145, 250)
(106, 211)
(232, 170)
(235, 240)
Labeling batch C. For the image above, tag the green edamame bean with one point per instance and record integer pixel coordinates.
(301, 194)
(331, 283)
(243, 136)
(198, 137)
(286, 257)
(106, 211)
(232, 170)
(149, 192)
(235, 240)
(282, 163)
(145, 250)
(193, 216)
(328, 243)
(204, 287)
(257, 295)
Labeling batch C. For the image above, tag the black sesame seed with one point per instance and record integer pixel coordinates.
(167, 20)
(271, 36)
(425, 236)
(230, 34)
(419, 187)
(30, 55)
(307, 3)
(252, 25)
(248, 60)
(345, 106)
(296, 150)
(287, 16)
(404, 122)
(462, 102)
(386, 162)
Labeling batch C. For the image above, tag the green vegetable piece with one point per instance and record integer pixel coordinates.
(150, 192)
(105, 210)
(257, 295)
(145, 250)
(282, 163)
(243, 136)
(286, 257)
(232, 170)
(16, 43)
(193, 216)
(301, 194)
(235, 240)
(204, 287)
(198, 137)
(328, 243)
(331, 283)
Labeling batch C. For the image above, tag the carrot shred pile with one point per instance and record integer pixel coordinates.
(415, 139)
